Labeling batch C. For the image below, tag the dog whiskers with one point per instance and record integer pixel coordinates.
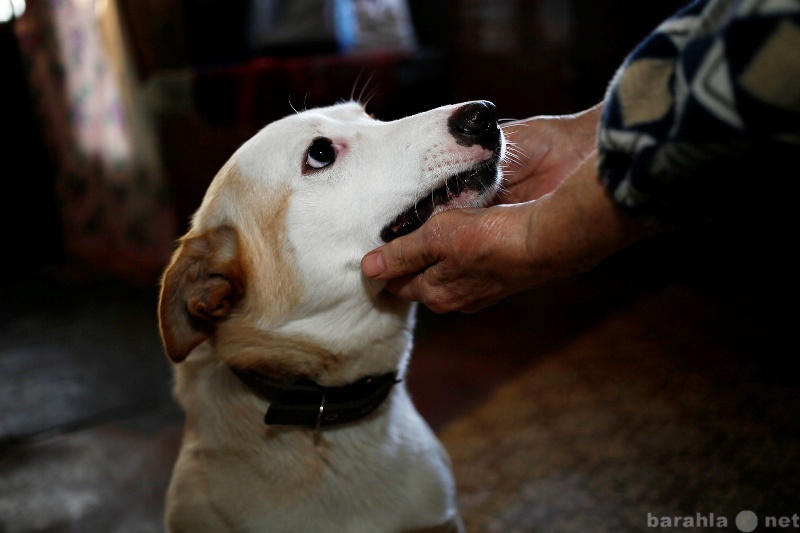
(292, 106)
(513, 124)
(502, 189)
(361, 99)
(418, 196)
(513, 160)
(355, 84)
(514, 157)
(515, 151)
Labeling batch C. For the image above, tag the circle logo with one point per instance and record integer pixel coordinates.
(746, 521)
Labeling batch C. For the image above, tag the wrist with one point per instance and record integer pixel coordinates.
(578, 225)
(582, 131)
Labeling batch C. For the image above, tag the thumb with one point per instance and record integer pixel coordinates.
(401, 257)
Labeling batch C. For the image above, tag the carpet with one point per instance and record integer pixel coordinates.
(679, 409)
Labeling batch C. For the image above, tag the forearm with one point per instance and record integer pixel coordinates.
(578, 225)
(682, 146)
(582, 134)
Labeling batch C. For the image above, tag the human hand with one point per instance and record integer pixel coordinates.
(461, 259)
(468, 259)
(544, 150)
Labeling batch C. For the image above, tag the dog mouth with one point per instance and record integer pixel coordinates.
(460, 190)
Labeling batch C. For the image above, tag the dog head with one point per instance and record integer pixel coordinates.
(274, 250)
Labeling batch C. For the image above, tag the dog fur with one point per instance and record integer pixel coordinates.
(268, 278)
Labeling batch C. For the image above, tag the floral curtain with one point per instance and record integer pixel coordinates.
(115, 209)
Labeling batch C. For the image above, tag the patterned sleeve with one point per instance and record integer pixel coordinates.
(705, 113)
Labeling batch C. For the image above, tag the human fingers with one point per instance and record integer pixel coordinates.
(402, 256)
(463, 277)
(439, 297)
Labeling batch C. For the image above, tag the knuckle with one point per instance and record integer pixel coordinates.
(397, 258)
(432, 235)
(441, 301)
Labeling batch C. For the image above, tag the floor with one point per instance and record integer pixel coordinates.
(88, 429)
(678, 403)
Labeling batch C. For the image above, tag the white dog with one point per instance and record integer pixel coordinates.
(289, 362)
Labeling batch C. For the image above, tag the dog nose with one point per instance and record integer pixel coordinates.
(475, 123)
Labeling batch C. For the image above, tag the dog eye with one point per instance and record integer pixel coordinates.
(321, 153)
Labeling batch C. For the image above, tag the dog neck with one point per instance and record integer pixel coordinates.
(304, 402)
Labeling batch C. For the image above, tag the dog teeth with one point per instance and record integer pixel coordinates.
(444, 196)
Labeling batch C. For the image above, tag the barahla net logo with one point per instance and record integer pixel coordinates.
(745, 521)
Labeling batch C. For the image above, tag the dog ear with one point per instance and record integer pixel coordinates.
(200, 287)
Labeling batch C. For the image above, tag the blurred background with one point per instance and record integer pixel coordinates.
(128, 107)
(116, 114)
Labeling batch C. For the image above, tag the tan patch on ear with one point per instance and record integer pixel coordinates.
(203, 282)
(273, 288)
(276, 287)
(245, 346)
(209, 272)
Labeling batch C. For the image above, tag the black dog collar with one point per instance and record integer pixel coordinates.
(307, 403)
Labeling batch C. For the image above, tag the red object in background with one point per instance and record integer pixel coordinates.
(253, 93)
